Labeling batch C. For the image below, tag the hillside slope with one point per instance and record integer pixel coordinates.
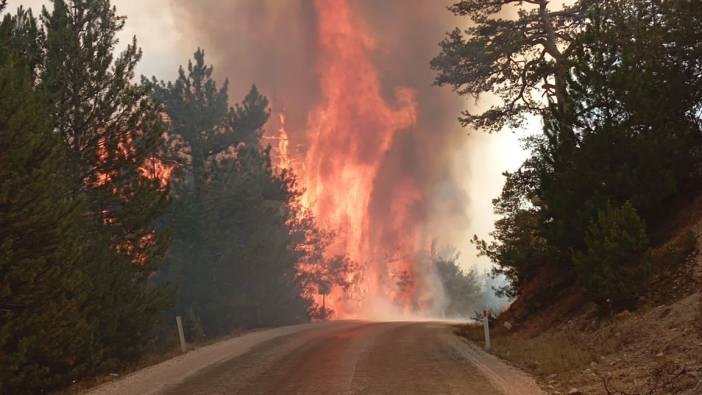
(654, 349)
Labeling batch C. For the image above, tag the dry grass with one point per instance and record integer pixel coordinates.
(651, 351)
(545, 354)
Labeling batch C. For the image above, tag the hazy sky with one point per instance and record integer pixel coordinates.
(157, 34)
(478, 159)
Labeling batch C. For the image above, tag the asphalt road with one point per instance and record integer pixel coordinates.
(359, 358)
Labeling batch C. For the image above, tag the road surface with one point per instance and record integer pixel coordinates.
(337, 358)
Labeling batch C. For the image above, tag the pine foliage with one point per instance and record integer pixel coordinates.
(615, 264)
(76, 255)
(621, 136)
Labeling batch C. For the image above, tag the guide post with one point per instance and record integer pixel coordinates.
(181, 335)
(486, 326)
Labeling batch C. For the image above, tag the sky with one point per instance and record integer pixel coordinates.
(168, 31)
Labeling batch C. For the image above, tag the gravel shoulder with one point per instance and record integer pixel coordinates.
(506, 378)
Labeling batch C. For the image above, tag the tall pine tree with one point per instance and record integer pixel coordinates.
(42, 285)
(111, 125)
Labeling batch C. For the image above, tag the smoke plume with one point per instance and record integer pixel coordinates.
(374, 142)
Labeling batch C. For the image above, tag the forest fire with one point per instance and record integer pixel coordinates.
(373, 145)
(349, 133)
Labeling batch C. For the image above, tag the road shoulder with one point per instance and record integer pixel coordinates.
(506, 378)
(161, 376)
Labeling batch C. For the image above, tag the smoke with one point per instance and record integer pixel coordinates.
(267, 42)
(367, 127)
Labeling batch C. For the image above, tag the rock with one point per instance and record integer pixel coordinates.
(507, 325)
(593, 364)
(574, 391)
(659, 355)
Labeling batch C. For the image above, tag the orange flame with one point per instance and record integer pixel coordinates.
(279, 144)
(349, 134)
(155, 169)
(283, 158)
(152, 169)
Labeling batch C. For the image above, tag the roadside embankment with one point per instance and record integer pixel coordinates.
(572, 348)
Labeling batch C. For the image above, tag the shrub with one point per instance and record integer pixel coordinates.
(616, 263)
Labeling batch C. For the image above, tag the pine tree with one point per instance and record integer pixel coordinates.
(235, 252)
(111, 125)
(519, 59)
(271, 238)
(25, 37)
(616, 263)
(197, 111)
(202, 120)
(42, 286)
(462, 292)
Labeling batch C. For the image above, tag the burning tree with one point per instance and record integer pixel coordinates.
(110, 125)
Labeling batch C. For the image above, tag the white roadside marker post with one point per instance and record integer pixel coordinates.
(486, 326)
(181, 335)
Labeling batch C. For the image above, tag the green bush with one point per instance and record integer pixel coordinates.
(616, 263)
